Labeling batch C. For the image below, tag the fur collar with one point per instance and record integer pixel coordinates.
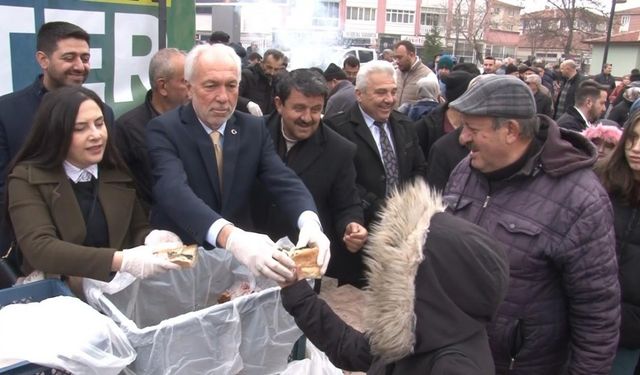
(394, 252)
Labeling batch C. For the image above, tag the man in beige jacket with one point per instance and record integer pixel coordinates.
(408, 72)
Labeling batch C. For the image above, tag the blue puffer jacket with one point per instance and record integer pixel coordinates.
(562, 309)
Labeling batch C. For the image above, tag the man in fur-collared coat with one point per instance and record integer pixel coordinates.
(431, 294)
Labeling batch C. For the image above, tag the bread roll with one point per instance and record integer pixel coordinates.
(306, 260)
(185, 256)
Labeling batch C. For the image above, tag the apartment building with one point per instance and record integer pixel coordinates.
(502, 33)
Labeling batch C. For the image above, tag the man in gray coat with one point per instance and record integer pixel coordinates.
(342, 94)
(529, 183)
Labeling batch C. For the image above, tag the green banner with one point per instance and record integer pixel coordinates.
(124, 37)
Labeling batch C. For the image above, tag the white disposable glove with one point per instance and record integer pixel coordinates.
(158, 236)
(141, 262)
(254, 109)
(260, 255)
(311, 233)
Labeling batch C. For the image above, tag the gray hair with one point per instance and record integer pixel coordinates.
(529, 127)
(217, 50)
(161, 65)
(534, 78)
(373, 66)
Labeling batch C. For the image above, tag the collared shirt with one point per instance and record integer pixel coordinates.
(375, 131)
(76, 174)
(220, 130)
(583, 116)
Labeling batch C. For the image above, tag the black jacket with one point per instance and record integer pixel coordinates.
(255, 86)
(572, 120)
(430, 128)
(132, 144)
(369, 168)
(570, 99)
(428, 302)
(370, 173)
(543, 104)
(445, 154)
(627, 227)
(620, 113)
(324, 163)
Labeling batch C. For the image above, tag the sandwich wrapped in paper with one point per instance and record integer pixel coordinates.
(306, 260)
(184, 255)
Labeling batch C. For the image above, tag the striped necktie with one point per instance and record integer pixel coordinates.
(388, 158)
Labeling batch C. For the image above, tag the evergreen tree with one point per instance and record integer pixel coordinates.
(432, 44)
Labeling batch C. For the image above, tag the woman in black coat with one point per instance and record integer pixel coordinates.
(620, 175)
(435, 282)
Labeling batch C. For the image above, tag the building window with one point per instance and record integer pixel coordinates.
(400, 16)
(624, 23)
(430, 19)
(361, 14)
(496, 10)
(433, 16)
(326, 14)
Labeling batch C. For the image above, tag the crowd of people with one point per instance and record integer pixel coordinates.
(493, 220)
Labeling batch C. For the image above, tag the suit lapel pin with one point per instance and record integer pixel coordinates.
(234, 131)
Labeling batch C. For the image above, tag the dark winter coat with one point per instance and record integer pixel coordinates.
(627, 225)
(324, 163)
(341, 98)
(430, 128)
(255, 86)
(445, 154)
(620, 113)
(428, 302)
(543, 104)
(556, 222)
(131, 140)
(572, 120)
(570, 99)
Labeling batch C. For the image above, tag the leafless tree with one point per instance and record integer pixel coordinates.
(469, 20)
(582, 16)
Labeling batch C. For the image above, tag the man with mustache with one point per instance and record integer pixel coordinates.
(205, 157)
(388, 153)
(324, 162)
(530, 184)
(63, 54)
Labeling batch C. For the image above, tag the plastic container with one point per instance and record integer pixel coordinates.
(176, 326)
(33, 292)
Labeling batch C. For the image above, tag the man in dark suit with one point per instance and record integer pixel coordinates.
(190, 146)
(324, 162)
(388, 152)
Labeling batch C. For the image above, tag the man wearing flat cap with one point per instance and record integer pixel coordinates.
(342, 93)
(530, 184)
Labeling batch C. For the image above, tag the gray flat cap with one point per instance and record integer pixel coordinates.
(497, 96)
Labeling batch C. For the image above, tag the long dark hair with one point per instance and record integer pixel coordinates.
(50, 137)
(614, 171)
(48, 142)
